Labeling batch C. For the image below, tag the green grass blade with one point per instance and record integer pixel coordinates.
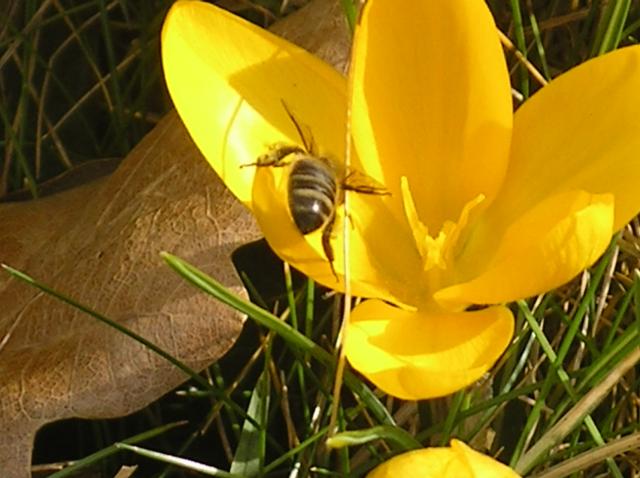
(17, 146)
(535, 29)
(579, 412)
(261, 316)
(395, 435)
(560, 356)
(611, 27)
(112, 450)
(290, 454)
(457, 401)
(177, 461)
(284, 330)
(115, 83)
(593, 457)
(251, 449)
(521, 43)
(351, 13)
(111, 323)
(565, 380)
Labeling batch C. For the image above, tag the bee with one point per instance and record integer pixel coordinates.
(315, 186)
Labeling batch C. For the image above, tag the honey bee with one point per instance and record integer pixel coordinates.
(315, 185)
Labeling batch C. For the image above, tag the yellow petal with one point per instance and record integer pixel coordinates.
(458, 461)
(481, 465)
(425, 463)
(431, 101)
(544, 248)
(228, 80)
(580, 132)
(418, 355)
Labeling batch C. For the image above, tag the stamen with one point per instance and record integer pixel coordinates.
(440, 251)
(455, 235)
(419, 230)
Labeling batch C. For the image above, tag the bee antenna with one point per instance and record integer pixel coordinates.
(309, 146)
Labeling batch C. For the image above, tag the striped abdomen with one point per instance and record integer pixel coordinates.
(312, 193)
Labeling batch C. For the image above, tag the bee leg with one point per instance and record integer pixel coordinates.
(373, 190)
(350, 218)
(326, 244)
(364, 185)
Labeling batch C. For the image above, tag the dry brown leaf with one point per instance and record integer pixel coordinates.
(100, 243)
(320, 28)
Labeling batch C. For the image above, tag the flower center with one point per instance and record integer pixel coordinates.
(438, 251)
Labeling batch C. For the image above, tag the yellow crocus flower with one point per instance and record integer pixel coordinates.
(486, 206)
(456, 461)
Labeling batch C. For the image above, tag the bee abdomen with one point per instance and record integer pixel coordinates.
(312, 194)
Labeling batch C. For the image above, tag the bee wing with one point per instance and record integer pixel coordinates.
(304, 131)
(359, 182)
